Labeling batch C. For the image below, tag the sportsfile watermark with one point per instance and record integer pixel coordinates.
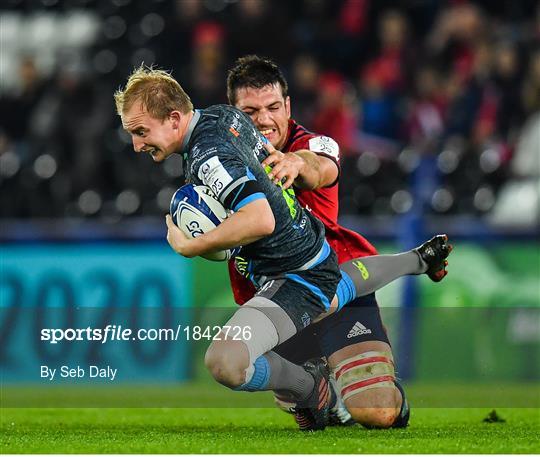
(114, 332)
(156, 356)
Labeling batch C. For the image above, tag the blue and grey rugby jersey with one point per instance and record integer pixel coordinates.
(223, 150)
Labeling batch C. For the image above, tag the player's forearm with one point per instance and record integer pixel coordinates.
(249, 224)
(309, 176)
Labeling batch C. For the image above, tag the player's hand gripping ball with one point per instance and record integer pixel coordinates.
(195, 210)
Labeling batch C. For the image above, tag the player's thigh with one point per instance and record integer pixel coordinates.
(359, 322)
(369, 385)
(281, 308)
(334, 332)
(360, 356)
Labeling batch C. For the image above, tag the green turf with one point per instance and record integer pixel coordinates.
(208, 394)
(257, 430)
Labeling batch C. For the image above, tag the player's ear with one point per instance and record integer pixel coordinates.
(175, 117)
(288, 105)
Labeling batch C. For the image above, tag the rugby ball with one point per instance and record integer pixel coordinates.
(195, 210)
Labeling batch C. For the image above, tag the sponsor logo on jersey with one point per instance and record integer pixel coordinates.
(259, 146)
(357, 330)
(199, 156)
(235, 125)
(214, 175)
(325, 145)
(302, 224)
(288, 195)
(241, 265)
(306, 320)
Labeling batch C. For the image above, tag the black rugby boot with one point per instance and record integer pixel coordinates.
(434, 253)
(402, 420)
(312, 413)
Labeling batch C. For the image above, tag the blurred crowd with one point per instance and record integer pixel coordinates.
(451, 87)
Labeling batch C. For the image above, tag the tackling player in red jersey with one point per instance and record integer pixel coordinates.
(354, 341)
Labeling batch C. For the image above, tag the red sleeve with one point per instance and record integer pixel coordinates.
(321, 145)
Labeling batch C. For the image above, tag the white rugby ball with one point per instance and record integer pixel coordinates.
(195, 210)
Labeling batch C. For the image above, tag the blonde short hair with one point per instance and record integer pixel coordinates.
(158, 92)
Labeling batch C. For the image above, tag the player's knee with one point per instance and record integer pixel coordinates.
(366, 383)
(375, 408)
(226, 363)
(374, 417)
(224, 369)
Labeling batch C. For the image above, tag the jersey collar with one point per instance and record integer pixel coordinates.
(189, 132)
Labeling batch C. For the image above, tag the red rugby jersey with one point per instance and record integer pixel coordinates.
(322, 203)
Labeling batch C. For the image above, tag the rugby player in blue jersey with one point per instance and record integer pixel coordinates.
(287, 256)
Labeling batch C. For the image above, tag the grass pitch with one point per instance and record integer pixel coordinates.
(258, 430)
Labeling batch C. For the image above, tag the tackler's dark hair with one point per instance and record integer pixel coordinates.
(256, 72)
